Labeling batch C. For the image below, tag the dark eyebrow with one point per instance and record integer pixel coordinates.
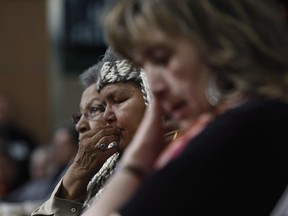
(111, 94)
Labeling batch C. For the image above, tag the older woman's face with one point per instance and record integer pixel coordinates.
(177, 76)
(124, 110)
(90, 104)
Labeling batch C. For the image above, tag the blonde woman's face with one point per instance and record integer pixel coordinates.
(176, 74)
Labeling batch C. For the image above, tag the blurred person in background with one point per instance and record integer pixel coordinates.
(40, 169)
(8, 171)
(47, 165)
(16, 142)
(64, 147)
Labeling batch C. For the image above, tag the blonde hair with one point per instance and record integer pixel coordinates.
(242, 41)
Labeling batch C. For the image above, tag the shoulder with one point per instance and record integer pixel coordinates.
(259, 107)
(257, 114)
(253, 125)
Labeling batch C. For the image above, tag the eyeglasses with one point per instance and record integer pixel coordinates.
(90, 115)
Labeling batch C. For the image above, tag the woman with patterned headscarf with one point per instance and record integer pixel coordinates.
(125, 94)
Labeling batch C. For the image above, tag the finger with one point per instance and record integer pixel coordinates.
(105, 136)
(103, 146)
(111, 150)
(112, 144)
(107, 140)
(108, 129)
(88, 134)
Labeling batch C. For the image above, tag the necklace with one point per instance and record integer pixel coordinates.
(181, 139)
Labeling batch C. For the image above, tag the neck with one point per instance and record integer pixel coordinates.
(230, 104)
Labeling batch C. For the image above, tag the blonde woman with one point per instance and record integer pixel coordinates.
(220, 68)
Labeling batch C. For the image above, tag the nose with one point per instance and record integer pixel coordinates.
(156, 80)
(109, 115)
(82, 125)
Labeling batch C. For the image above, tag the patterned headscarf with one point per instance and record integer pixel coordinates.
(115, 69)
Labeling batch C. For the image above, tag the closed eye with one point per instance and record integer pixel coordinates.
(159, 55)
(161, 60)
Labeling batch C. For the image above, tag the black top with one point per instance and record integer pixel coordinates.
(237, 166)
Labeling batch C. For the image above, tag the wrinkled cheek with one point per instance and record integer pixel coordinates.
(127, 136)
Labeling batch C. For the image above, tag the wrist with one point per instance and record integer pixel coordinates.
(135, 170)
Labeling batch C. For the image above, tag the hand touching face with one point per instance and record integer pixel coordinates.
(93, 132)
(177, 76)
